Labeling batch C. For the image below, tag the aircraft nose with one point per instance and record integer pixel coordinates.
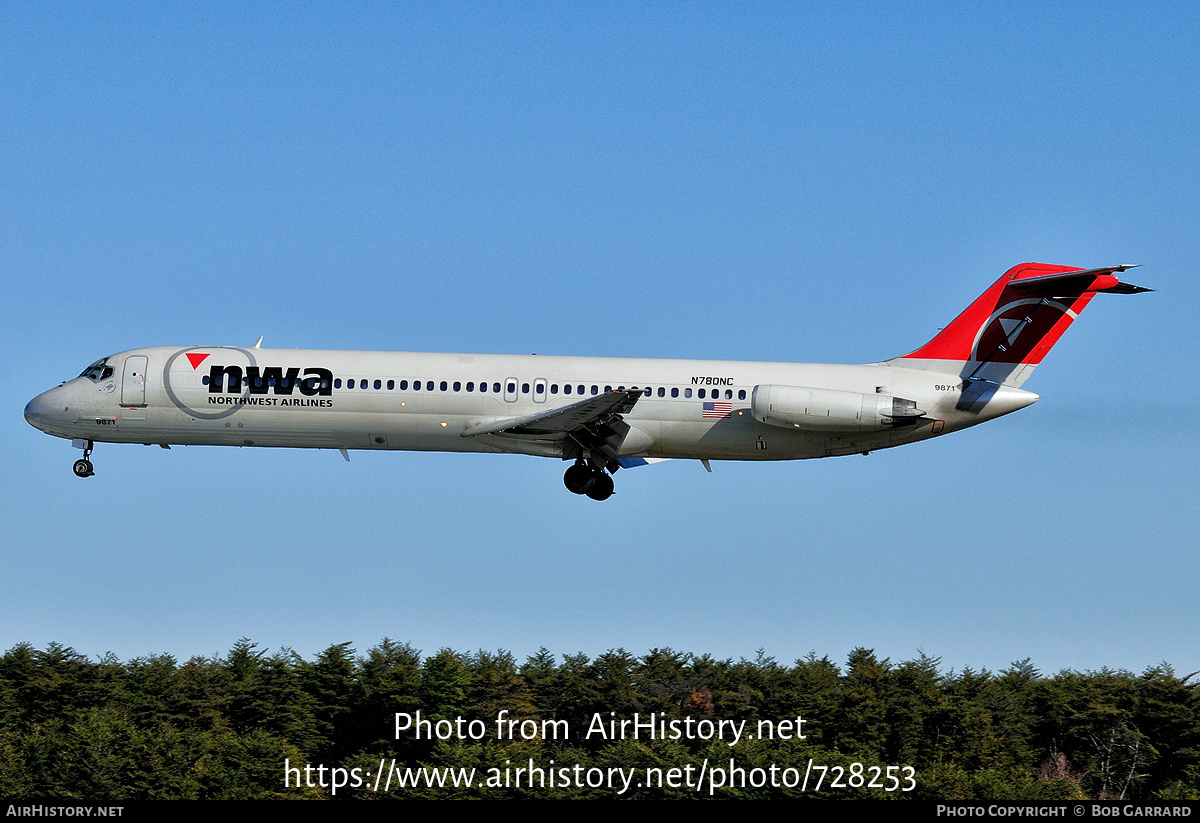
(38, 410)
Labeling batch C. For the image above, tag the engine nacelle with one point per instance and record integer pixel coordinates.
(800, 407)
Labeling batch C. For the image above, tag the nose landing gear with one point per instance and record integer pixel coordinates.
(583, 479)
(83, 466)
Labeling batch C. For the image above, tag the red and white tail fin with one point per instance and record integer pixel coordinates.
(1006, 332)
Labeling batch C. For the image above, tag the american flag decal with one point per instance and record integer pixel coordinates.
(716, 410)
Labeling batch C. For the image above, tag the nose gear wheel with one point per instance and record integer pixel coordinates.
(83, 466)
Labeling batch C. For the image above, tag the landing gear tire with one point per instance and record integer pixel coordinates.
(578, 479)
(602, 488)
(583, 479)
(83, 468)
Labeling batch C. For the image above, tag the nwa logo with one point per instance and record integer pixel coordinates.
(233, 388)
(316, 382)
(1014, 331)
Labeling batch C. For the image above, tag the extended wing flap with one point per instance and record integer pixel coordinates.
(563, 420)
(592, 428)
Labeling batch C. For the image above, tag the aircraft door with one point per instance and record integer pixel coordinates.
(133, 381)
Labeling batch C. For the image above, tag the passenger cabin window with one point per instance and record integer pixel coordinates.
(741, 394)
(687, 392)
(674, 392)
(337, 383)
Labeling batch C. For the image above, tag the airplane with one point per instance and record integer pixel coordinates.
(599, 413)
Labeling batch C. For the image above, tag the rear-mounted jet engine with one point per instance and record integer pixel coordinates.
(800, 407)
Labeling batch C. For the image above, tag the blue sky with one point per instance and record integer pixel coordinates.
(767, 182)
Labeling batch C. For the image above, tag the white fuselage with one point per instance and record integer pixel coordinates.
(302, 398)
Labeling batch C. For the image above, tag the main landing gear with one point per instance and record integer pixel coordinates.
(583, 479)
(83, 466)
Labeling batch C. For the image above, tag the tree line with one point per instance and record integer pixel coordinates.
(223, 727)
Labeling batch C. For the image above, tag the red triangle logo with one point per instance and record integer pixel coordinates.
(195, 358)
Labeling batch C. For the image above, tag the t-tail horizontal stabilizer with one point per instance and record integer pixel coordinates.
(1005, 333)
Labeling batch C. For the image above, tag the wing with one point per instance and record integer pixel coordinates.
(593, 427)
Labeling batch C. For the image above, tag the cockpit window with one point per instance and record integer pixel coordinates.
(98, 370)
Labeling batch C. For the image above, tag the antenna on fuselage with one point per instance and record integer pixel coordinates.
(257, 343)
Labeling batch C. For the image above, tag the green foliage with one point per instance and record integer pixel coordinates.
(223, 727)
(444, 681)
